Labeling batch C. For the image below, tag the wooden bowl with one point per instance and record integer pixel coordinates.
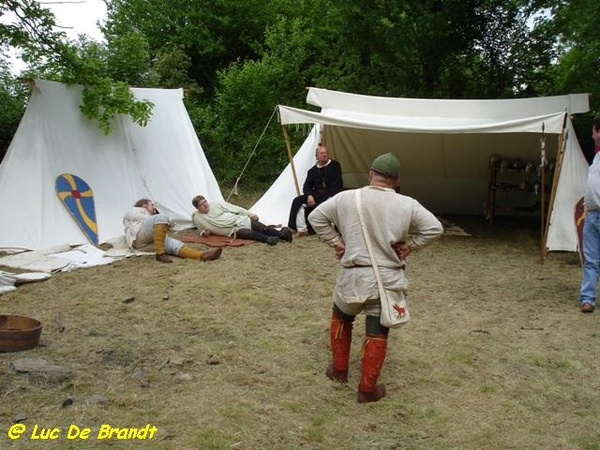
(18, 333)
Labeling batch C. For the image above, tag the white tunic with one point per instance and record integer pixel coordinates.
(390, 218)
(222, 219)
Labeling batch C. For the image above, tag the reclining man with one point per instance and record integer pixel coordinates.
(225, 219)
(146, 230)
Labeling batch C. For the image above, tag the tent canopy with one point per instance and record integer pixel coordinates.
(163, 161)
(444, 147)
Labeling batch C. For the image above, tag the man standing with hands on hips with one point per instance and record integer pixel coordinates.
(389, 218)
(591, 229)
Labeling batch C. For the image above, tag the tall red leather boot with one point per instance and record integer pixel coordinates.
(373, 355)
(340, 334)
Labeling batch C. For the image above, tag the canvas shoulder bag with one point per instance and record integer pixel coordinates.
(394, 309)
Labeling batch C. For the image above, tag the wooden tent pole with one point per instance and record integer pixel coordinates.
(291, 158)
(562, 139)
(542, 207)
(543, 190)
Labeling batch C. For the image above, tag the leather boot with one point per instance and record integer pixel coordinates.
(373, 355)
(340, 334)
(212, 254)
(160, 233)
(286, 234)
(163, 258)
(375, 396)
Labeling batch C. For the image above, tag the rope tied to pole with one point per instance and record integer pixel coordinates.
(234, 190)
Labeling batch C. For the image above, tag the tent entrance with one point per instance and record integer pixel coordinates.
(447, 173)
(444, 147)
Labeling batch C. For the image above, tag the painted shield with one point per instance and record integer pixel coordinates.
(579, 221)
(78, 198)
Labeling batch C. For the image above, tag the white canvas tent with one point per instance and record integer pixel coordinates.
(444, 148)
(163, 161)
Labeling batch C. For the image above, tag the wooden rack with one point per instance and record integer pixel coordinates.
(520, 185)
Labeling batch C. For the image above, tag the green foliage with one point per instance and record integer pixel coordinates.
(577, 71)
(248, 96)
(103, 101)
(104, 72)
(212, 33)
(12, 98)
(170, 70)
(244, 105)
(237, 60)
(128, 58)
(454, 49)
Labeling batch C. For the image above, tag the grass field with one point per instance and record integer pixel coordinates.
(231, 354)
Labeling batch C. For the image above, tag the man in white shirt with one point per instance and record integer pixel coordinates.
(226, 219)
(591, 229)
(397, 225)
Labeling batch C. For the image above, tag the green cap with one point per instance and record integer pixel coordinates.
(386, 164)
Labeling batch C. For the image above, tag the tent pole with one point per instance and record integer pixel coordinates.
(562, 139)
(543, 210)
(291, 158)
(543, 191)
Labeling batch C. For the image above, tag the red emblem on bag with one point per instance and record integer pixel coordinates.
(400, 310)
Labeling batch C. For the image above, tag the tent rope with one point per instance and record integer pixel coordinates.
(234, 190)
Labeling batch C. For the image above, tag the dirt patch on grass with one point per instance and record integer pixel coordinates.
(231, 353)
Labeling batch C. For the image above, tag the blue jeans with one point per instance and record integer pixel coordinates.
(591, 253)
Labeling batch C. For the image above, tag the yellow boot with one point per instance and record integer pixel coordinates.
(192, 253)
(160, 234)
(189, 253)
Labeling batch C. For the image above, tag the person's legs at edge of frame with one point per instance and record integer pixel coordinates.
(340, 333)
(591, 266)
(373, 352)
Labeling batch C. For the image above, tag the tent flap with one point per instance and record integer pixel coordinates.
(550, 123)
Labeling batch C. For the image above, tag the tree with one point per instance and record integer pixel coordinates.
(414, 48)
(576, 23)
(212, 33)
(238, 60)
(13, 95)
(53, 56)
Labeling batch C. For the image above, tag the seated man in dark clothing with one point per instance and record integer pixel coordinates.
(323, 181)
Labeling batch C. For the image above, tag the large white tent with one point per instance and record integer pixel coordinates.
(444, 148)
(163, 161)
